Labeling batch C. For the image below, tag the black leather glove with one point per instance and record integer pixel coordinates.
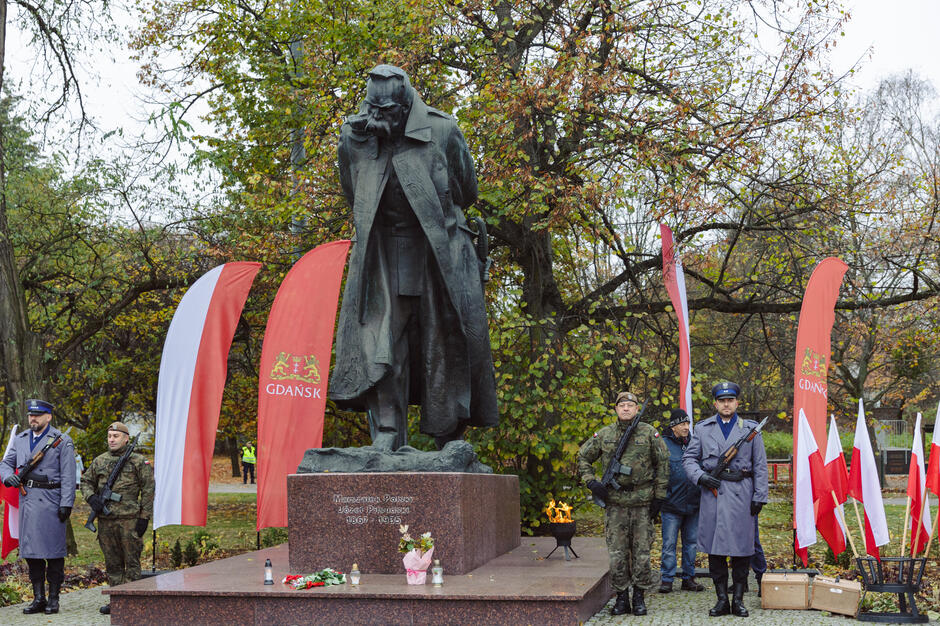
(599, 490)
(96, 502)
(141, 527)
(756, 507)
(12, 481)
(655, 507)
(64, 512)
(708, 481)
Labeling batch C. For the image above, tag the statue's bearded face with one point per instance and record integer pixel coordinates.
(385, 107)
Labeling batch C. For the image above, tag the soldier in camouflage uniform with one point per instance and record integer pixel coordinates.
(628, 520)
(120, 532)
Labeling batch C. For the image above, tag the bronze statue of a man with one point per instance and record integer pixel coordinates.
(412, 326)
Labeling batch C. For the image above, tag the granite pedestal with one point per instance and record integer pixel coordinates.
(339, 519)
(520, 587)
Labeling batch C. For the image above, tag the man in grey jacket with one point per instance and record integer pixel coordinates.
(45, 508)
(730, 501)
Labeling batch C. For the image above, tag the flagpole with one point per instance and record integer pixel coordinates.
(861, 527)
(915, 537)
(907, 516)
(930, 539)
(842, 519)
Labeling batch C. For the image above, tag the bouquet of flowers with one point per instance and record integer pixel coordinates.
(418, 553)
(422, 544)
(323, 578)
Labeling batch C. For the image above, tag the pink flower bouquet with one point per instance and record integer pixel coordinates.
(416, 565)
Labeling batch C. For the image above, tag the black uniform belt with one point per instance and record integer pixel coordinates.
(37, 484)
(735, 475)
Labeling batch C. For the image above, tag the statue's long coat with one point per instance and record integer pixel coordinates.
(42, 535)
(725, 523)
(452, 374)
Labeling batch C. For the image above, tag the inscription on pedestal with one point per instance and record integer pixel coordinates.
(358, 510)
(336, 519)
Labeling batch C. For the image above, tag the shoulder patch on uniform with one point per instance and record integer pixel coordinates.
(146, 461)
(595, 433)
(656, 434)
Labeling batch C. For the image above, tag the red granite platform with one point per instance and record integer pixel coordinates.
(520, 587)
(344, 518)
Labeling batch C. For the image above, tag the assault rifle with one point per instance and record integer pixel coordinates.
(106, 493)
(730, 453)
(614, 468)
(33, 462)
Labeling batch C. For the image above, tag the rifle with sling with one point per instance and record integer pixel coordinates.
(106, 493)
(614, 468)
(728, 455)
(33, 462)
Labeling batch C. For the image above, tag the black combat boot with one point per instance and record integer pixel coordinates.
(39, 599)
(737, 601)
(53, 605)
(622, 605)
(639, 604)
(689, 584)
(665, 587)
(106, 609)
(721, 607)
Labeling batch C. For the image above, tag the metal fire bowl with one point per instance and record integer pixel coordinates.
(562, 532)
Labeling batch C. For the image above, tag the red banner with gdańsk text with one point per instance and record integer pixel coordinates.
(292, 382)
(813, 348)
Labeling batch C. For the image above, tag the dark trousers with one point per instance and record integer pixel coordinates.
(758, 562)
(718, 568)
(246, 468)
(51, 570)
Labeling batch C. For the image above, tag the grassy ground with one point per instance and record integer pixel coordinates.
(230, 530)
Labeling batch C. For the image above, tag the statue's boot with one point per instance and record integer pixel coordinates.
(442, 440)
(385, 440)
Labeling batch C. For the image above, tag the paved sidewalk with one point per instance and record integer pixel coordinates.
(687, 608)
(76, 607)
(232, 488)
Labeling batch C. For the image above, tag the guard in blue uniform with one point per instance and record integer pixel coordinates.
(727, 521)
(44, 510)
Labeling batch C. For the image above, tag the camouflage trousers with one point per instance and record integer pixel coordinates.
(121, 547)
(629, 534)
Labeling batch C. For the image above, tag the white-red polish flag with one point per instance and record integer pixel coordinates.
(189, 391)
(674, 279)
(933, 467)
(917, 491)
(828, 512)
(865, 487)
(809, 473)
(837, 470)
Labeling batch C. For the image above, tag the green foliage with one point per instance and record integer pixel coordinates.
(176, 554)
(844, 561)
(778, 445)
(206, 544)
(12, 591)
(191, 553)
(273, 536)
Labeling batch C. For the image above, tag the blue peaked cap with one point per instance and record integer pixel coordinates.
(38, 406)
(725, 390)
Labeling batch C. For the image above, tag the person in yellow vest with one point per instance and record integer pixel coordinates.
(248, 463)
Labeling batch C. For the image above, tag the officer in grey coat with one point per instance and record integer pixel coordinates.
(44, 510)
(726, 521)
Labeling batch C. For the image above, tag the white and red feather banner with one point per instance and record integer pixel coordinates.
(189, 391)
(674, 278)
(11, 510)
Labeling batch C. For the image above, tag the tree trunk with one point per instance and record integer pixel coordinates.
(235, 456)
